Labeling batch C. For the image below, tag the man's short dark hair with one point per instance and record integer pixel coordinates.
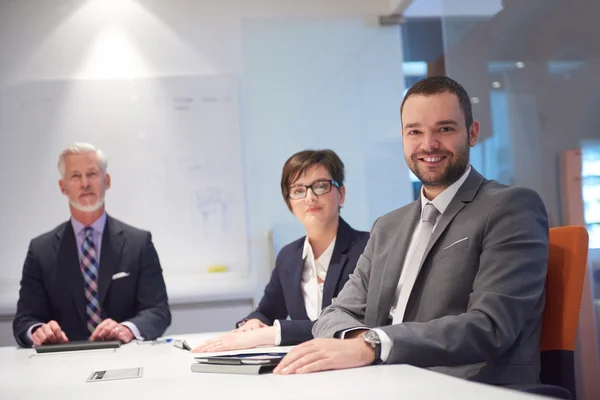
(442, 84)
(298, 163)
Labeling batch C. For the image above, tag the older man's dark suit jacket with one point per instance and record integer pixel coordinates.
(52, 286)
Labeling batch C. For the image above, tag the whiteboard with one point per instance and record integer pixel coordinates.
(174, 151)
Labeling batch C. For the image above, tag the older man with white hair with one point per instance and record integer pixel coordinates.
(92, 277)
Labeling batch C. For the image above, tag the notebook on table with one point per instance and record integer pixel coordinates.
(77, 346)
(245, 364)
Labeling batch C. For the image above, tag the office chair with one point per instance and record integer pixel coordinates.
(564, 285)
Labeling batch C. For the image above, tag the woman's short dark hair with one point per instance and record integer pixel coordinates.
(300, 162)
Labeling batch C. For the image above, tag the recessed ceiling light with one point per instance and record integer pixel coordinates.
(496, 84)
(520, 64)
(475, 100)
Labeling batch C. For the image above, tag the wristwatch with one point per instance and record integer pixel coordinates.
(372, 339)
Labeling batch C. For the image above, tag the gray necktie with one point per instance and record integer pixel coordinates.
(428, 218)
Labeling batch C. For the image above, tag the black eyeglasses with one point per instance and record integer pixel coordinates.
(320, 187)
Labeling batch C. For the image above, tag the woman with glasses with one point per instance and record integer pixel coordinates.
(310, 271)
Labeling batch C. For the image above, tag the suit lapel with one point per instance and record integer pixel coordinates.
(395, 262)
(453, 208)
(337, 263)
(295, 268)
(69, 266)
(466, 193)
(110, 255)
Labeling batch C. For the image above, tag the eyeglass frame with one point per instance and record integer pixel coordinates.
(332, 182)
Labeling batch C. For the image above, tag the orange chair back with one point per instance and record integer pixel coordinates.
(567, 266)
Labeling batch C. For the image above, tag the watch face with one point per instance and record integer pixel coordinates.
(372, 337)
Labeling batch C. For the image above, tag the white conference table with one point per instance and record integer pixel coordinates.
(167, 376)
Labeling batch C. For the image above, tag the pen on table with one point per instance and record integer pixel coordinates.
(157, 341)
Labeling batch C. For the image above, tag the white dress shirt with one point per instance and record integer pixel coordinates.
(312, 289)
(441, 202)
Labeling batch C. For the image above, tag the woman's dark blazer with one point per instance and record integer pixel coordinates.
(283, 295)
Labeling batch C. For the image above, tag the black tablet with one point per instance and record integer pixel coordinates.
(78, 345)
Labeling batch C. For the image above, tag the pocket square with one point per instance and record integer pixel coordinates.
(120, 275)
(458, 241)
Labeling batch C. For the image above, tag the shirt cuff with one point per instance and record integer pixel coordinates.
(342, 334)
(29, 334)
(277, 326)
(133, 329)
(386, 344)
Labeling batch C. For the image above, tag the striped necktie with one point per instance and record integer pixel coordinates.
(89, 269)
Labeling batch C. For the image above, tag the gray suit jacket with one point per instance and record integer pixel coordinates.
(476, 307)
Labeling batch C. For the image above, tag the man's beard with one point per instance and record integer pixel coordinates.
(457, 165)
(88, 207)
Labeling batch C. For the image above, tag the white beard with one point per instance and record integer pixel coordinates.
(87, 208)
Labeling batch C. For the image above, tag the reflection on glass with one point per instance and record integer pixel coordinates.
(591, 192)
